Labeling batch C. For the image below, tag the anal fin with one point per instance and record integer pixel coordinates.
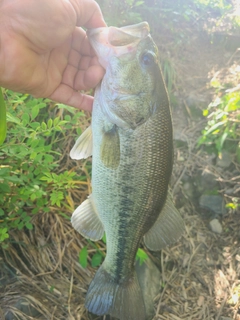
(82, 148)
(167, 229)
(87, 222)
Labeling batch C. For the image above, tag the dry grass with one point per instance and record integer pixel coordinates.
(47, 272)
(201, 281)
(200, 273)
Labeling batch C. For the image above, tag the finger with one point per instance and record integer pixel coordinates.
(74, 58)
(82, 73)
(80, 42)
(69, 77)
(65, 94)
(90, 78)
(89, 14)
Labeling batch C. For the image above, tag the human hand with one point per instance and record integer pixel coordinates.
(44, 52)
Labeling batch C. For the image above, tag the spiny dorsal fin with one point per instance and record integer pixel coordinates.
(87, 222)
(82, 148)
(167, 229)
(110, 148)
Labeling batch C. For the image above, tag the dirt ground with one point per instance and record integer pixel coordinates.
(201, 272)
(40, 274)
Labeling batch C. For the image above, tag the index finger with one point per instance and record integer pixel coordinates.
(65, 94)
(89, 14)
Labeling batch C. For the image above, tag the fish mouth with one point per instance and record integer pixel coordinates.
(112, 41)
(116, 37)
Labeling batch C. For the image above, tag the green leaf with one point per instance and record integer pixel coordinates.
(51, 289)
(205, 113)
(48, 158)
(57, 128)
(141, 256)
(33, 155)
(56, 198)
(25, 118)
(34, 112)
(42, 104)
(13, 179)
(34, 143)
(49, 123)
(12, 118)
(38, 158)
(223, 138)
(4, 187)
(83, 257)
(3, 234)
(79, 131)
(104, 239)
(220, 115)
(62, 122)
(20, 225)
(56, 121)
(35, 125)
(231, 205)
(67, 118)
(4, 171)
(29, 226)
(96, 259)
(3, 119)
(215, 126)
(215, 83)
(138, 3)
(44, 126)
(33, 196)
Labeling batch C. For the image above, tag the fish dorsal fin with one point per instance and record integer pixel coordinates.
(167, 229)
(110, 148)
(87, 222)
(82, 148)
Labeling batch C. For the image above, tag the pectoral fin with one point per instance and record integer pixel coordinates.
(167, 229)
(110, 148)
(82, 148)
(87, 222)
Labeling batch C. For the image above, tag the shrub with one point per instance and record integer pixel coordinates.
(31, 159)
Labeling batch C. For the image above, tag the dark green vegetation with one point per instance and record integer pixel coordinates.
(3, 121)
(34, 176)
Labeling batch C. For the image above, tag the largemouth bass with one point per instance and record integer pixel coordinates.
(130, 140)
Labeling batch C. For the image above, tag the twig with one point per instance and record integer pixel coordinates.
(221, 307)
(69, 298)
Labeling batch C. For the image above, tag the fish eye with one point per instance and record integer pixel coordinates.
(147, 59)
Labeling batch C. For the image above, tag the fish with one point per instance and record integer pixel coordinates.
(131, 143)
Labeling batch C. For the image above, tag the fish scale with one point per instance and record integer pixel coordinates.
(132, 149)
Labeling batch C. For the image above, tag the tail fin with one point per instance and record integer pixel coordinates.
(121, 300)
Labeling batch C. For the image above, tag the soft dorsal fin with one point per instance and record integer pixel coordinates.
(110, 148)
(87, 222)
(82, 148)
(167, 229)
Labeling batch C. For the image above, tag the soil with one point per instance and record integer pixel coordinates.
(201, 272)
